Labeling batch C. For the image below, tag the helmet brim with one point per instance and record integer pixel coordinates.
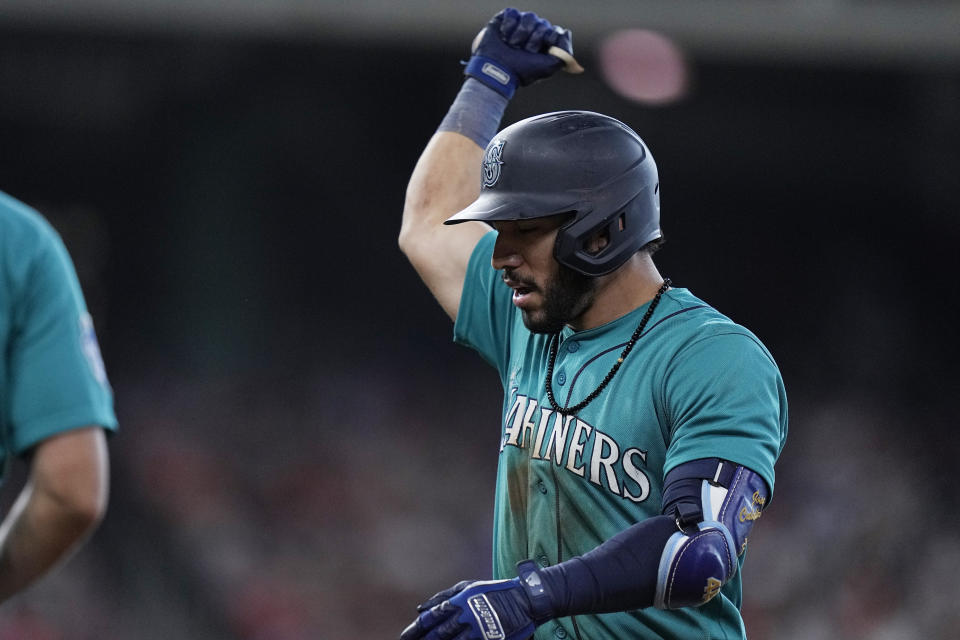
(492, 207)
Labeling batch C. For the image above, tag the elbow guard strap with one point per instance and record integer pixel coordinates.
(694, 565)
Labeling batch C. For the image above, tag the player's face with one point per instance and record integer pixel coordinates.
(548, 294)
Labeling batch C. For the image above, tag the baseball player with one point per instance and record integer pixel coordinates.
(640, 426)
(55, 401)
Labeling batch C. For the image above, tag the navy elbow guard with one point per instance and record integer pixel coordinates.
(715, 503)
(694, 566)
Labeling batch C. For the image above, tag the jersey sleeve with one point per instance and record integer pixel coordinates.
(485, 313)
(725, 398)
(56, 378)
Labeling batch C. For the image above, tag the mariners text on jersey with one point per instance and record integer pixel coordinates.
(577, 446)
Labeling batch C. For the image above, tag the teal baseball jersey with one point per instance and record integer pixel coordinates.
(52, 377)
(696, 385)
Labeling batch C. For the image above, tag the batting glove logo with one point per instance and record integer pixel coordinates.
(487, 620)
(492, 163)
(493, 71)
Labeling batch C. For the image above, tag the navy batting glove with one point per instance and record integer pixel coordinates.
(498, 609)
(446, 594)
(511, 51)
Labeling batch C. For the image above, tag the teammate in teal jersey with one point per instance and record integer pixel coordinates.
(55, 401)
(640, 426)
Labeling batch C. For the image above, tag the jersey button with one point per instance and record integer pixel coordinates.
(573, 346)
(542, 487)
(543, 560)
(562, 377)
(560, 632)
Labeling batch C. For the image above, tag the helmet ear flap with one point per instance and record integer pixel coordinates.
(626, 232)
(593, 249)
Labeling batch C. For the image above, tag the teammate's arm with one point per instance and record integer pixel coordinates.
(57, 402)
(63, 500)
(509, 52)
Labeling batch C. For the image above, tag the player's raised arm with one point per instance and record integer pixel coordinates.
(510, 51)
(445, 180)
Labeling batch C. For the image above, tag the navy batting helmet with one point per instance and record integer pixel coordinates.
(579, 162)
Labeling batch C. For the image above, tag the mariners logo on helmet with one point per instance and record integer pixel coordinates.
(492, 163)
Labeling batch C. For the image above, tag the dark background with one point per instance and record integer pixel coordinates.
(304, 453)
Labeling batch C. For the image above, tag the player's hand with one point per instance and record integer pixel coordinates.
(502, 609)
(476, 611)
(512, 50)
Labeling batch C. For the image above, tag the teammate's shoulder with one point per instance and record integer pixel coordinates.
(28, 244)
(22, 226)
(18, 217)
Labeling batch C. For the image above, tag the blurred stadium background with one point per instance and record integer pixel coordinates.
(304, 454)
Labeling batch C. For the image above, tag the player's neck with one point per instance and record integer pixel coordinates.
(629, 287)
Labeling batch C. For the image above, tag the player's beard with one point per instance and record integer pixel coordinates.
(565, 298)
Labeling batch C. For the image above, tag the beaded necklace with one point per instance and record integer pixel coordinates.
(613, 371)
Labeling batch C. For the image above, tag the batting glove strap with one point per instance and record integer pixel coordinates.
(493, 74)
(538, 592)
